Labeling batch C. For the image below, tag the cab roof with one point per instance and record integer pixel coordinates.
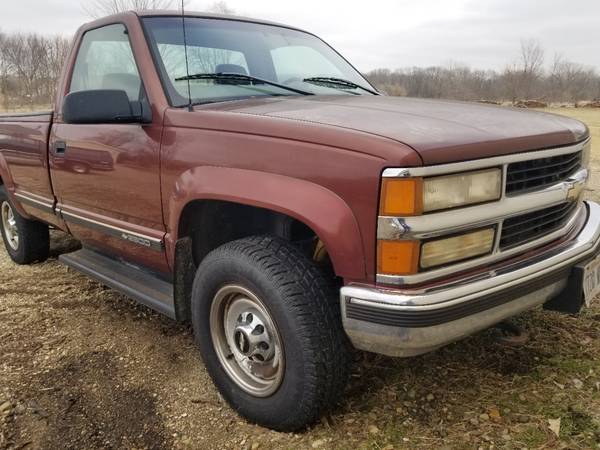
(206, 15)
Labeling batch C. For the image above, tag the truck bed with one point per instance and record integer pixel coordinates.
(24, 152)
(36, 116)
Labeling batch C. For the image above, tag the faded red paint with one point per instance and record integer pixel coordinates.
(318, 159)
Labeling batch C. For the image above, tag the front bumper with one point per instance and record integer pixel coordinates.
(410, 322)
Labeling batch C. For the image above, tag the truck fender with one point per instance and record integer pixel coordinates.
(328, 215)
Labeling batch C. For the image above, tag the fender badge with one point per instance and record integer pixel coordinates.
(136, 240)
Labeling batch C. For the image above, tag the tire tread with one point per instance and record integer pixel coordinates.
(315, 304)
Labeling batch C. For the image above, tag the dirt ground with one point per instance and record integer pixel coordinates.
(83, 367)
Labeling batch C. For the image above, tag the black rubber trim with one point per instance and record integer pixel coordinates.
(422, 319)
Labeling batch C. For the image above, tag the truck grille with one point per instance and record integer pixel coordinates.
(534, 225)
(537, 173)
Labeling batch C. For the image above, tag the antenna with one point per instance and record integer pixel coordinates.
(187, 64)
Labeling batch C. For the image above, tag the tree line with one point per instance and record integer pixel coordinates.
(30, 65)
(528, 80)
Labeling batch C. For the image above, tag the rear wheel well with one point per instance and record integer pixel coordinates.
(208, 224)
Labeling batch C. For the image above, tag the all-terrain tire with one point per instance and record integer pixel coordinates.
(304, 306)
(33, 243)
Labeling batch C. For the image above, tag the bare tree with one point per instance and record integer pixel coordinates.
(30, 66)
(57, 50)
(4, 90)
(521, 80)
(100, 8)
(532, 66)
(570, 81)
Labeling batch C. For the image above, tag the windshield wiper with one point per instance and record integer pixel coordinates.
(338, 82)
(240, 77)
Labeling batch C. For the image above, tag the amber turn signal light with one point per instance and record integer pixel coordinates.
(398, 257)
(401, 197)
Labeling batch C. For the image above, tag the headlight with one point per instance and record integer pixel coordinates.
(405, 257)
(457, 248)
(414, 196)
(449, 191)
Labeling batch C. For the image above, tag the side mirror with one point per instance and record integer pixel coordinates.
(103, 106)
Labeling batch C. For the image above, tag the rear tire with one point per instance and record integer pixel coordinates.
(268, 325)
(26, 241)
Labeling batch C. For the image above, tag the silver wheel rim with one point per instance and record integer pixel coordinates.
(247, 341)
(9, 224)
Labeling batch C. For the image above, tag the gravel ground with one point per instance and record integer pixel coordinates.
(83, 367)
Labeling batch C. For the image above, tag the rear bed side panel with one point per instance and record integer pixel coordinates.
(24, 163)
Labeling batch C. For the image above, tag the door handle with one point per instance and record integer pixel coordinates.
(60, 147)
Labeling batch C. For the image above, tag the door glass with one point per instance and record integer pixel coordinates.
(105, 61)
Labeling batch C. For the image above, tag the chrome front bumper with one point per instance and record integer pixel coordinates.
(410, 322)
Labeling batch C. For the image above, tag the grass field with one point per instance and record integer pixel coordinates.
(590, 116)
(83, 367)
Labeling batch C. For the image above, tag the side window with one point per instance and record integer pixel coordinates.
(105, 61)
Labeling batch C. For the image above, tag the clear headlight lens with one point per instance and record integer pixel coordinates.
(449, 191)
(457, 248)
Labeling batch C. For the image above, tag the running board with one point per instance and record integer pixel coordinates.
(133, 282)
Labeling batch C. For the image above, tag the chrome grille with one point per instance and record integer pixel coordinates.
(537, 173)
(527, 227)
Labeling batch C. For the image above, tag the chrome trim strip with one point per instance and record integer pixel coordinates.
(568, 253)
(392, 228)
(43, 205)
(126, 235)
(495, 161)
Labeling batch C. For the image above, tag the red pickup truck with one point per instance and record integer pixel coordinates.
(243, 176)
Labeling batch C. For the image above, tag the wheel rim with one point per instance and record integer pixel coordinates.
(9, 224)
(246, 341)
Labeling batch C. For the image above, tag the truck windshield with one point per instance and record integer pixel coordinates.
(285, 57)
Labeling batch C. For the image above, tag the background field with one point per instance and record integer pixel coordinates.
(83, 367)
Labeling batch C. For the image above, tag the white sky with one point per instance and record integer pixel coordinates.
(386, 33)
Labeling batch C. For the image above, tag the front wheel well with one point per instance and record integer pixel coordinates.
(208, 224)
(212, 223)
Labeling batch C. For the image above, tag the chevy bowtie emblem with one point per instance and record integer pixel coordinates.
(574, 189)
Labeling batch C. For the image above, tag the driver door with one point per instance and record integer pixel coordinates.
(106, 177)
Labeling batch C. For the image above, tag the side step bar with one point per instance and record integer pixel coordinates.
(133, 282)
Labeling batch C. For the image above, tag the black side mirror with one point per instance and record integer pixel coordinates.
(103, 106)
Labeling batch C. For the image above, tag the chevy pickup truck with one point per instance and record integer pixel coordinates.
(242, 176)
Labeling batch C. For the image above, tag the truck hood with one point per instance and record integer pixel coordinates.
(440, 131)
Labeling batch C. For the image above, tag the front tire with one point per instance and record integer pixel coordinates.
(268, 325)
(26, 241)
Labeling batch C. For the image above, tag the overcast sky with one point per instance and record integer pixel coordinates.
(390, 33)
